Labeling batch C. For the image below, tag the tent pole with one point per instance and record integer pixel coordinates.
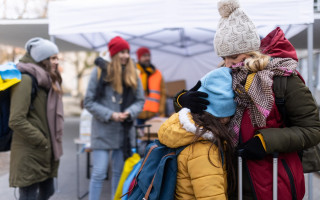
(310, 57)
(318, 71)
(311, 87)
(52, 39)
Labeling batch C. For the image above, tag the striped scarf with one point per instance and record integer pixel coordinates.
(254, 91)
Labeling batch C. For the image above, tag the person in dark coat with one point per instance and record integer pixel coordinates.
(259, 129)
(38, 125)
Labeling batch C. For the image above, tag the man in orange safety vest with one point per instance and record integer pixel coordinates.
(153, 85)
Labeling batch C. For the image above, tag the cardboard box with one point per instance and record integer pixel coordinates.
(174, 87)
(155, 123)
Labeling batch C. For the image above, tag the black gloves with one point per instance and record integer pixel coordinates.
(252, 149)
(194, 100)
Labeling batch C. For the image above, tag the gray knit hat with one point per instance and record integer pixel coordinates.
(41, 49)
(236, 33)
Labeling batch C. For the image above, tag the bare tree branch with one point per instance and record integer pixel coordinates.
(24, 10)
(83, 63)
(4, 16)
(45, 9)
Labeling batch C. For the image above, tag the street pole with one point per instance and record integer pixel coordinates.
(311, 87)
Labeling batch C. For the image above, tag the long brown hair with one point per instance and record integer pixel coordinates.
(54, 74)
(115, 76)
(222, 139)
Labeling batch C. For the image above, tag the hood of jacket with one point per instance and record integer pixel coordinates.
(276, 45)
(179, 130)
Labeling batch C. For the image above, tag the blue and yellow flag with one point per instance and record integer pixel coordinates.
(9, 75)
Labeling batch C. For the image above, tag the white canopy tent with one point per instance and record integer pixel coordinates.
(179, 32)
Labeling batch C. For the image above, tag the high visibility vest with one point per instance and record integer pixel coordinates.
(152, 100)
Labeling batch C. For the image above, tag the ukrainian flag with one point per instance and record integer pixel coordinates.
(9, 75)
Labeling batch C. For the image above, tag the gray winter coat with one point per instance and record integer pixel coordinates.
(106, 133)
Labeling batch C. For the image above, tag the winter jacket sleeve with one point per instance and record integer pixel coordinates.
(99, 111)
(207, 181)
(19, 109)
(135, 108)
(303, 115)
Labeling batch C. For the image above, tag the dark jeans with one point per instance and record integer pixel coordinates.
(37, 191)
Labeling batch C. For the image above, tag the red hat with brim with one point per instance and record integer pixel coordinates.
(117, 44)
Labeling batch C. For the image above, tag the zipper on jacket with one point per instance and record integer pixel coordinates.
(289, 173)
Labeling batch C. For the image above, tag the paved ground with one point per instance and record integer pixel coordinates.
(67, 185)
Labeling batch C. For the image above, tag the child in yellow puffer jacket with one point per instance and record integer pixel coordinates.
(203, 166)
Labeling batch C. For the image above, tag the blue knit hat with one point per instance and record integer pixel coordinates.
(218, 85)
(41, 49)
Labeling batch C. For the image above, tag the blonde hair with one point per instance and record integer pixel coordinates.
(257, 61)
(115, 77)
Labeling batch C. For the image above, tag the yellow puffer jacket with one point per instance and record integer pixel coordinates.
(197, 178)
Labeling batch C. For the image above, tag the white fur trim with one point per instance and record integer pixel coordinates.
(226, 7)
(189, 126)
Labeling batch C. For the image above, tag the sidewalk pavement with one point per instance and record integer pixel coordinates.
(66, 184)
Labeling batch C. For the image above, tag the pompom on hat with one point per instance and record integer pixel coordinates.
(236, 33)
(117, 44)
(41, 49)
(218, 85)
(227, 7)
(141, 51)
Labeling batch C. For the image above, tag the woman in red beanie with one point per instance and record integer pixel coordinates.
(114, 97)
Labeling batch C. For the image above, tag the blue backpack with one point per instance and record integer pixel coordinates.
(9, 76)
(156, 178)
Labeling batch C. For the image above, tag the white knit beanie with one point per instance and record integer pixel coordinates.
(41, 49)
(236, 33)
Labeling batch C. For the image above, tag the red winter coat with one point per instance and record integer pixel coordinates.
(290, 172)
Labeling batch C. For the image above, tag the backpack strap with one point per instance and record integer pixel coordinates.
(146, 196)
(146, 158)
(279, 89)
(99, 71)
(101, 74)
(34, 89)
(144, 161)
